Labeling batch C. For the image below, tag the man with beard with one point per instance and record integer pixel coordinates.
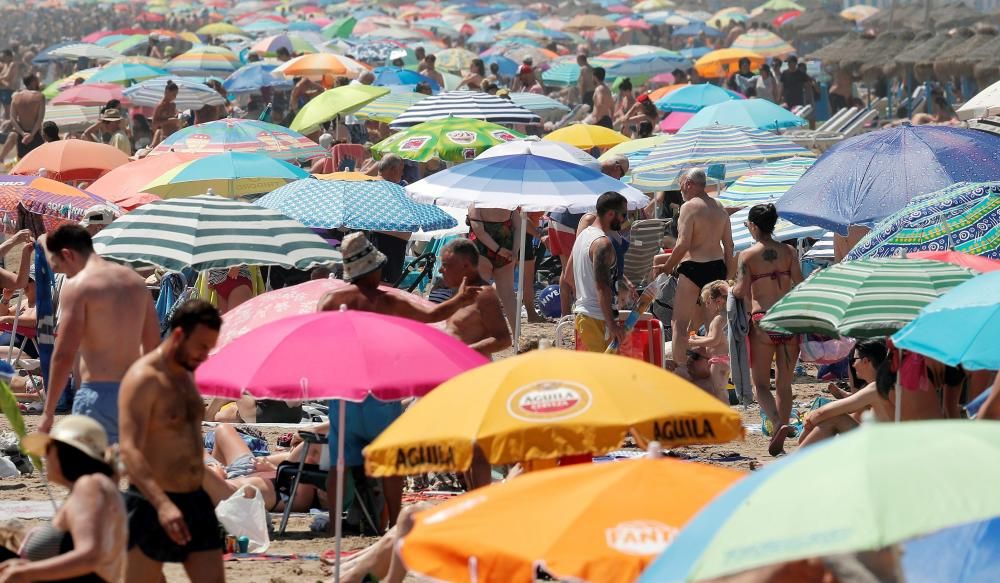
(171, 518)
(595, 274)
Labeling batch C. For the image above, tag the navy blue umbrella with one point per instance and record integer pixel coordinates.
(962, 554)
(865, 179)
(45, 56)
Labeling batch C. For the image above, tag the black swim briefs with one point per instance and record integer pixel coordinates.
(145, 531)
(702, 274)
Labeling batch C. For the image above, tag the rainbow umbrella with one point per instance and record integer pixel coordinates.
(232, 174)
(241, 135)
(56, 203)
(764, 43)
(388, 107)
(452, 139)
(203, 58)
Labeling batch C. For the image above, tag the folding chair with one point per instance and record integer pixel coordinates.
(644, 243)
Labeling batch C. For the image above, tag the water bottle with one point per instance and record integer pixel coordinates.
(641, 307)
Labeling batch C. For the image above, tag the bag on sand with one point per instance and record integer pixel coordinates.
(243, 514)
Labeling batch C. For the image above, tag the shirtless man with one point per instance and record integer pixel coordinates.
(703, 253)
(586, 81)
(107, 316)
(604, 103)
(27, 112)
(9, 69)
(171, 518)
(363, 269)
(431, 72)
(482, 324)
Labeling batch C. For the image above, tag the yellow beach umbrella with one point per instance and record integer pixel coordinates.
(589, 22)
(720, 63)
(586, 136)
(219, 29)
(545, 405)
(859, 12)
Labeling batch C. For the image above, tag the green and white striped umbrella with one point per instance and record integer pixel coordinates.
(868, 298)
(389, 106)
(209, 231)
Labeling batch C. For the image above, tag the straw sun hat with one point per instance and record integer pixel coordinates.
(360, 256)
(78, 431)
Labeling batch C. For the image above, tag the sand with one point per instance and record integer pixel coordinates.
(746, 455)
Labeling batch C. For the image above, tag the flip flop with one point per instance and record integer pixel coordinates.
(777, 445)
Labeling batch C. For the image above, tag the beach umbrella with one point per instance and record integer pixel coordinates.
(751, 113)
(563, 73)
(85, 51)
(973, 262)
(71, 160)
(739, 149)
(388, 76)
(340, 28)
(674, 121)
(696, 29)
(961, 328)
(587, 137)
(722, 62)
(549, 149)
(125, 73)
(89, 94)
(635, 150)
(648, 65)
(389, 106)
(199, 59)
(363, 205)
(865, 179)
(694, 98)
(269, 45)
(783, 230)
(250, 78)
(508, 67)
(56, 203)
(776, 6)
(984, 104)
(589, 22)
(219, 29)
(210, 232)
(862, 299)
(545, 405)
(653, 5)
(765, 184)
(859, 12)
(465, 104)
(126, 181)
(320, 64)
(962, 554)
(964, 217)
(764, 43)
(452, 139)
(579, 536)
(240, 135)
(304, 26)
(263, 26)
(454, 60)
(232, 174)
(72, 117)
(333, 102)
(542, 105)
(883, 465)
(190, 95)
(45, 56)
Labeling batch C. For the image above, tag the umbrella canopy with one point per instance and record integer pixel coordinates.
(880, 463)
(210, 232)
(384, 356)
(529, 182)
(451, 139)
(232, 174)
(251, 77)
(69, 160)
(219, 29)
(366, 205)
(190, 95)
(984, 104)
(56, 203)
(589, 22)
(85, 51)
(697, 28)
(389, 106)
(126, 181)
(586, 136)
(269, 45)
(765, 184)
(89, 94)
(545, 107)
(579, 535)
(334, 102)
(751, 113)
(862, 299)
(240, 135)
(556, 150)
(694, 98)
(764, 43)
(962, 554)
(865, 179)
(973, 262)
(859, 12)
(389, 76)
(721, 62)
(959, 328)
(635, 150)
(469, 104)
(964, 217)
(545, 405)
(319, 64)
(649, 64)
(200, 59)
(454, 60)
(72, 117)
(126, 73)
(783, 230)
(738, 148)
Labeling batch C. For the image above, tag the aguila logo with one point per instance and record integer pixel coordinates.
(462, 137)
(549, 401)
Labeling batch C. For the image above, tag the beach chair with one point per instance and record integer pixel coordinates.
(803, 111)
(645, 239)
(418, 272)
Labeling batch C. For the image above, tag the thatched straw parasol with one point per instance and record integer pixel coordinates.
(887, 45)
(830, 52)
(987, 71)
(851, 57)
(892, 65)
(824, 24)
(955, 14)
(983, 53)
(923, 69)
(953, 63)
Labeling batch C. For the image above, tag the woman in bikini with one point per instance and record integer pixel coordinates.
(233, 286)
(767, 271)
(474, 80)
(495, 232)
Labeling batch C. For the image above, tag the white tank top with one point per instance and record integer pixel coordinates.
(583, 274)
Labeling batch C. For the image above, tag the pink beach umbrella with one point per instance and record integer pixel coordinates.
(674, 122)
(662, 79)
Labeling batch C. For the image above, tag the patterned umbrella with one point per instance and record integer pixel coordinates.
(738, 148)
(964, 217)
(241, 135)
(455, 60)
(200, 59)
(763, 42)
(252, 77)
(389, 106)
(208, 232)
(452, 139)
(468, 104)
(635, 150)
(864, 298)
(766, 183)
(367, 205)
(126, 73)
(191, 95)
(72, 117)
(56, 203)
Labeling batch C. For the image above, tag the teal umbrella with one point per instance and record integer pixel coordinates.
(750, 113)
(126, 73)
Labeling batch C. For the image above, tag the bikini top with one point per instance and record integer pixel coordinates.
(46, 542)
(772, 274)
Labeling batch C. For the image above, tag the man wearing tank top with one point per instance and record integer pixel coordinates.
(594, 265)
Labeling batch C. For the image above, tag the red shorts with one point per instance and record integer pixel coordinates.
(230, 284)
(561, 239)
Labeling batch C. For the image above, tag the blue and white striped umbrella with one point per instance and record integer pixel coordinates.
(766, 183)
(368, 205)
(190, 96)
(783, 231)
(469, 104)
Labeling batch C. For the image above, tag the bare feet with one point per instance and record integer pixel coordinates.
(777, 445)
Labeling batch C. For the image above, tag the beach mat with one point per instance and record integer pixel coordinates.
(27, 509)
(269, 557)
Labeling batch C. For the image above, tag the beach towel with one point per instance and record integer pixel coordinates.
(739, 354)
(171, 287)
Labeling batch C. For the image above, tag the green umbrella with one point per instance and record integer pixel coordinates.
(332, 103)
(340, 28)
(389, 106)
(453, 139)
(863, 299)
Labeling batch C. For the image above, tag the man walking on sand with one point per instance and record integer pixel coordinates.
(107, 316)
(27, 112)
(171, 518)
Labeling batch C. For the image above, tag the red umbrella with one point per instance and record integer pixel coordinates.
(88, 94)
(133, 202)
(973, 262)
(152, 17)
(786, 17)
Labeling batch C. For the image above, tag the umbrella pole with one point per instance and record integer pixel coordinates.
(13, 330)
(520, 283)
(899, 397)
(339, 500)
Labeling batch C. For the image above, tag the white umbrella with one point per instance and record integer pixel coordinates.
(191, 95)
(87, 51)
(984, 104)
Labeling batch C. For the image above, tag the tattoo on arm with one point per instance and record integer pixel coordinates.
(604, 261)
(770, 255)
(741, 269)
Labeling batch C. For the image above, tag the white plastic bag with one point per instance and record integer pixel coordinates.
(243, 514)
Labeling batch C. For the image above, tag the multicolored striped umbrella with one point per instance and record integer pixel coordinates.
(467, 104)
(241, 135)
(964, 217)
(232, 175)
(204, 58)
(369, 205)
(389, 106)
(766, 183)
(453, 139)
(72, 117)
(763, 42)
(868, 298)
(190, 95)
(208, 232)
(738, 148)
(56, 203)
(126, 73)
(635, 150)
(454, 60)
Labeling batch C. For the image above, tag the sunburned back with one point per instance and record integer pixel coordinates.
(173, 443)
(771, 266)
(709, 222)
(357, 299)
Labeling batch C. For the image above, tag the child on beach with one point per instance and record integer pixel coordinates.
(716, 341)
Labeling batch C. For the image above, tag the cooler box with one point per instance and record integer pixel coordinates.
(644, 342)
